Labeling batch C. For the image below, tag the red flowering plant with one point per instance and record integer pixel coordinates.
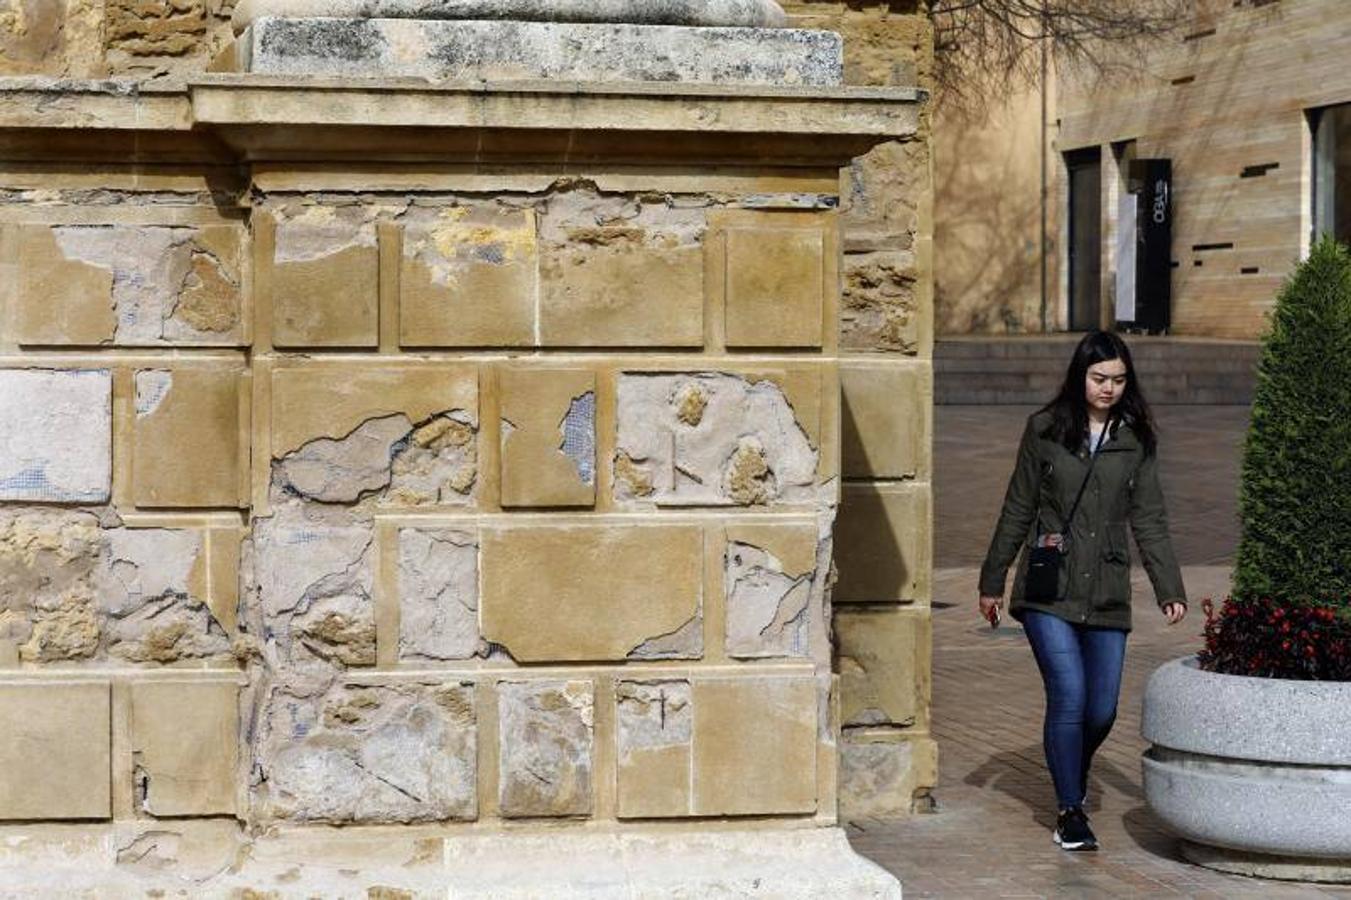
(1290, 613)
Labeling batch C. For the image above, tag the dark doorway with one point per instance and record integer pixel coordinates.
(1332, 171)
(1085, 233)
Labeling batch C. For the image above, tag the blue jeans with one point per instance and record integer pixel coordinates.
(1081, 669)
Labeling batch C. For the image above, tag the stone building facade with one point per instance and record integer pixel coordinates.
(461, 455)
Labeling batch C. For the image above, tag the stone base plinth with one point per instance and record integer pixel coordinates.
(211, 859)
(1260, 865)
(504, 51)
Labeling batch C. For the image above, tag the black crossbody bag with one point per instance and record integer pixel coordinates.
(1043, 563)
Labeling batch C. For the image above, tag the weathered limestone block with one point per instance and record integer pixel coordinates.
(400, 435)
(130, 285)
(886, 419)
(47, 564)
(548, 436)
(656, 748)
(882, 308)
(743, 746)
(710, 439)
(55, 758)
(620, 273)
(776, 287)
(325, 280)
(513, 50)
(545, 733)
(438, 595)
(184, 741)
(884, 659)
(468, 277)
(315, 589)
(188, 443)
(151, 588)
(886, 774)
(594, 592)
(768, 577)
(55, 435)
(883, 542)
(743, 13)
(369, 754)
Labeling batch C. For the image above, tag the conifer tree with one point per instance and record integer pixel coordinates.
(1295, 488)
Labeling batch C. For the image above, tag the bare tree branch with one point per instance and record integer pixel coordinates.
(985, 49)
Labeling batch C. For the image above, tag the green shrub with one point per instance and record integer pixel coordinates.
(1295, 489)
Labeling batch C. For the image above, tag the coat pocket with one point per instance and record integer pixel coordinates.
(1116, 562)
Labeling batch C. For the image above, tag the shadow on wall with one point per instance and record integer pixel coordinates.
(869, 544)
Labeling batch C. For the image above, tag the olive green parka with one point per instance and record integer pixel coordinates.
(1095, 577)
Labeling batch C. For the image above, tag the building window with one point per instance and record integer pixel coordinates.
(1332, 171)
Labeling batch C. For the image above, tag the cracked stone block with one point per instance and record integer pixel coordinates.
(401, 436)
(882, 774)
(184, 739)
(656, 746)
(593, 592)
(325, 280)
(369, 754)
(710, 439)
(315, 589)
(545, 733)
(755, 744)
(55, 760)
(438, 595)
(776, 287)
(618, 272)
(882, 542)
(151, 587)
(769, 596)
(883, 657)
(85, 285)
(548, 437)
(886, 418)
(468, 277)
(188, 444)
(55, 435)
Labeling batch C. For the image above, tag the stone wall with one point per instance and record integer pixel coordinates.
(353, 494)
(888, 760)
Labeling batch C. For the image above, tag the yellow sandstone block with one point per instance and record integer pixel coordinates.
(189, 446)
(884, 654)
(325, 284)
(593, 592)
(775, 287)
(55, 759)
(882, 542)
(548, 437)
(886, 419)
(184, 737)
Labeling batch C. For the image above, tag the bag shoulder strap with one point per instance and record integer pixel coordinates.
(1093, 458)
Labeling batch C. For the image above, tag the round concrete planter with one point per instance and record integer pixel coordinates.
(1254, 774)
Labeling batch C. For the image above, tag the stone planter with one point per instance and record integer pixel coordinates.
(1254, 774)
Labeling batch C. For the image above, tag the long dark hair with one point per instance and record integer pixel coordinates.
(1069, 410)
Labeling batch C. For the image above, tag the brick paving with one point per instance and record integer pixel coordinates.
(990, 835)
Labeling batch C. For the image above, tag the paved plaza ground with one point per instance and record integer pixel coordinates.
(990, 835)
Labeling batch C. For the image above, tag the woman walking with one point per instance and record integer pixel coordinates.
(1086, 467)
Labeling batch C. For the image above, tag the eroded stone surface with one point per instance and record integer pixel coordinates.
(546, 742)
(656, 733)
(169, 285)
(55, 435)
(154, 611)
(438, 595)
(744, 13)
(766, 606)
(369, 754)
(389, 459)
(325, 287)
(745, 446)
(315, 586)
(72, 591)
(508, 50)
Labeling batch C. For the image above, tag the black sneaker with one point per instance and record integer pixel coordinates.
(1072, 831)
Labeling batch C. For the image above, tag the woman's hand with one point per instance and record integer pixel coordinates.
(989, 606)
(1174, 612)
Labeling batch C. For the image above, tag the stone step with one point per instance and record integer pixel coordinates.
(1028, 370)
